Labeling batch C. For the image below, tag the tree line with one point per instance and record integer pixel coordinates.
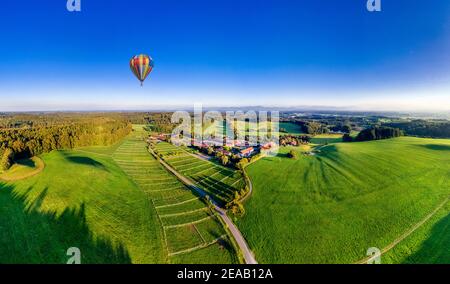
(19, 143)
(424, 128)
(374, 133)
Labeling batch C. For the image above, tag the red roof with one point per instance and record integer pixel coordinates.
(247, 150)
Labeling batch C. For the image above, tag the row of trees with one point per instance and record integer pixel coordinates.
(314, 128)
(294, 140)
(424, 128)
(27, 142)
(375, 133)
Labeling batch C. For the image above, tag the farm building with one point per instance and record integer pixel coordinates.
(247, 152)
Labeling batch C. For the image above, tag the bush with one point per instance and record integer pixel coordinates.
(236, 208)
(292, 154)
(224, 159)
(242, 163)
(7, 159)
(347, 138)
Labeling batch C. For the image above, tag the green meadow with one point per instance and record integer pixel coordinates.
(332, 206)
(78, 200)
(116, 204)
(290, 128)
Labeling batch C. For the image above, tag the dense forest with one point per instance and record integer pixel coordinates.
(424, 128)
(313, 127)
(377, 133)
(25, 135)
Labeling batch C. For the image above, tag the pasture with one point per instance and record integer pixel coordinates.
(78, 200)
(220, 182)
(333, 206)
(322, 139)
(117, 204)
(188, 226)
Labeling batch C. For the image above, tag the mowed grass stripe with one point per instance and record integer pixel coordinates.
(176, 205)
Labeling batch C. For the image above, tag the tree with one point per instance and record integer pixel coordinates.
(224, 159)
(293, 154)
(347, 138)
(378, 132)
(346, 128)
(7, 159)
(242, 163)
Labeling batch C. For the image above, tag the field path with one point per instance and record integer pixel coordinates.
(247, 253)
(405, 235)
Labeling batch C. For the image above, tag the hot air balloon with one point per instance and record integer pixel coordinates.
(141, 65)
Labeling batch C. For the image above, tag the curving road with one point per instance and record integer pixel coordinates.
(243, 246)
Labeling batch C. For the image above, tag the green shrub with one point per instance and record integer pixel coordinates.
(7, 159)
(292, 154)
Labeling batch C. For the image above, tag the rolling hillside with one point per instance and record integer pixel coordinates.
(117, 204)
(331, 207)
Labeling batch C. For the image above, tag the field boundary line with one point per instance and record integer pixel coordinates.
(204, 245)
(184, 160)
(235, 233)
(163, 229)
(187, 165)
(201, 236)
(181, 187)
(178, 203)
(210, 176)
(187, 224)
(189, 169)
(406, 234)
(183, 213)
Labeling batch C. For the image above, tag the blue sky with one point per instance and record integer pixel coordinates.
(225, 53)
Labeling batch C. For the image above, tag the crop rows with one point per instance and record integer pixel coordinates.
(187, 223)
(219, 181)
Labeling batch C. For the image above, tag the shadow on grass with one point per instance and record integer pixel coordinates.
(84, 161)
(437, 147)
(435, 249)
(31, 234)
(26, 163)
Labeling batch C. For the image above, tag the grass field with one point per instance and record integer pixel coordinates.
(117, 204)
(220, 182)
(428, 244)
(23, 169)
(78, 200)
(181, 213)
(322, 139)
(291, 128)
(333, 206)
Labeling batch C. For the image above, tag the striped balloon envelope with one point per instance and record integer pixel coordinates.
(141, 65)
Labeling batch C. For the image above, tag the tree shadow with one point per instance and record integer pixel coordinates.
(86, 161)
(26, 163)
(435, 249)
(437, 147)
(31, 234)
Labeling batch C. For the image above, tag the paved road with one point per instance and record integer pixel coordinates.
(248, 255)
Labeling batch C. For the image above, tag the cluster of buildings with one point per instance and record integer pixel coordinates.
(242, 150)
(159, 137)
